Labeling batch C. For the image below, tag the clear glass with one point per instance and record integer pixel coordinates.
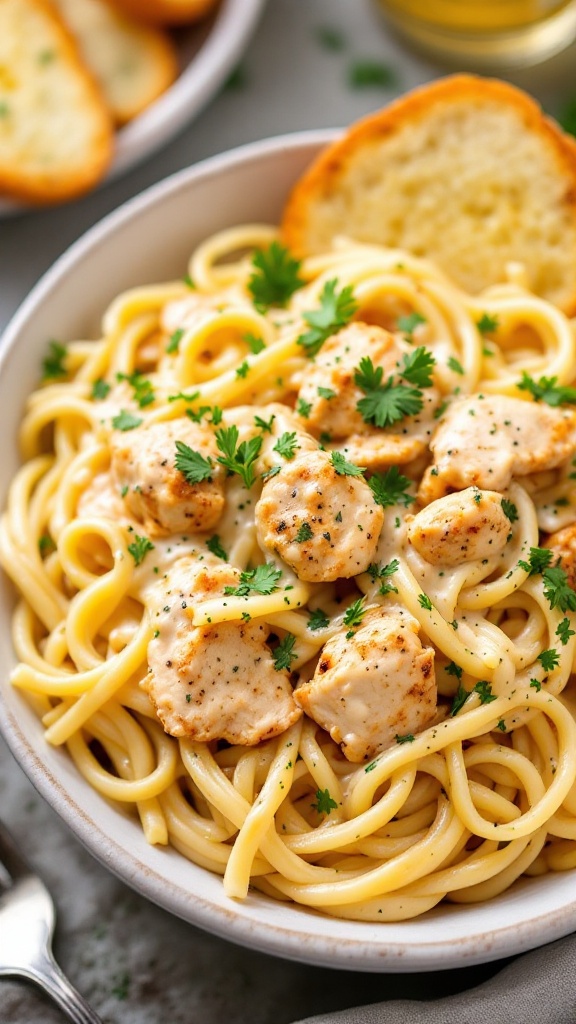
(485, 34)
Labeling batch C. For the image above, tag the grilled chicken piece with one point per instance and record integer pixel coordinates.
(323, 524)
(486, 441)
(213, 682)
(158, 494)
(460, 527)
(372, 687)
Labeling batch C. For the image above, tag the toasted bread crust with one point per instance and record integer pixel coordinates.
(166, 12)
(56, 134)
(133, 63)
(466, 171)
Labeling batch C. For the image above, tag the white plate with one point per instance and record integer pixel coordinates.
(248, 184)
(208, 53)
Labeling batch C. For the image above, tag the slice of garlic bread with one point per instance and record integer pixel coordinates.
(166, 12)
(133, 63)
(56, 135)
(466, 171)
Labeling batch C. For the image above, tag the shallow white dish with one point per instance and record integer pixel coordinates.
(208, 53)
(150, 239)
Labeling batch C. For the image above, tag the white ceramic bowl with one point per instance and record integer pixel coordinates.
(146, 240)
(208, 52)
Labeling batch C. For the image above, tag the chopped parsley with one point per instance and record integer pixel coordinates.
(45, 545)
(100, 389)
(452, 669)
(384, 572)
(324, 802)
(385, 404)
(238, 458)
(318, 620)
(303, 408)
(330, 38)
(214, 544)
(343, 467)
(286, 445)
(53, 364)
(242, 370)
(326, 393)
(304, 533)
(371, 74)
(460, 699)
(336, 309)
(261, 580)
(173, 343)
(408, 324)
(509, 509)
(255, 344)
(538, 560)
(284, 653)
(126, 420)
(558, 590)
(455, 365)
(407, 738)
(563, 631)
(536, 685)
(275, 277)
(417, 367)
(353, 615)
(487, 324)
(390, 488)
(484, 691)
(139, 548)
(142, 390)
(192, 464)
(549, 659)
(546, 389)
(425, 602)
(264, 425)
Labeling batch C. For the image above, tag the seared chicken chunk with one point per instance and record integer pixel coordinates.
(562, 544)
(460, 527)
(158, 494)
(214, 682)
(372, 687)
(324, 524)
(486, 441)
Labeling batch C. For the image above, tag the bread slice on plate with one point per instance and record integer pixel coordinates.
(466, 171)
(166, 12)
(133, 63)
(56, 135)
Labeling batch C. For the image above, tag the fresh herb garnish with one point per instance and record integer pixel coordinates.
(214, 544)
(509, 509)
(318, 620)
(192, 464)
(549, 659)
(284, 653)
(100, 389)
(455, 365)
(275, 277)
(390, 488)
(343, 467)
(286, 445)
(139, 548)
(173, 343)
(384, 404)
(304, 533)
(238, 458)
(126, 420)
(384, 572)
(261, 580)
(547, 390)
(487, 324)
(563, 631)
(53, 364)
(336, 309)
(408, 324)
(324, 802)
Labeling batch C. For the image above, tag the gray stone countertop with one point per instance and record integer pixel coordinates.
(134, 962)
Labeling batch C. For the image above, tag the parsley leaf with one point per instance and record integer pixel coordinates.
(538, 560)
(265, 425)
(126, 420)
(549, 659)
(318, 620)
(563, 631)
(407, 738)
(143, 392)
(214, 545)
(383, 572)
(286, 445)
(284, 653)
(100, 389)
(173, 343)
(255, 344)
(324, 802)
(53, 364)
(343, 467)
(509, 509)
(484, 690)
(336, 309)
(408, 324)
(425, 602)
(192, 464)
(139, 548)
(304, 533)
(558, 590)
(389, 488)
(238, 458)
(261, 580)
(384, 404)
(455, 365)
(354, 614)
(303, 408)
(460, 699)
(547, 390)
(275, 277)
(370, 74)
(326, 393)
(452, 669)
(417, 367)
(242, 370)
(487, 324)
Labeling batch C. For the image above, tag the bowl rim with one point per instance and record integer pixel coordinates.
(309, 937)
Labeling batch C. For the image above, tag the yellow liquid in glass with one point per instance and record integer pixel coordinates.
(490, 33)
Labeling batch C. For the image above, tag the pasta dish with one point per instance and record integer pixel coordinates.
(295, 543)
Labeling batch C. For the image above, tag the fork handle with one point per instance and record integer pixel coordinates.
(48, 976)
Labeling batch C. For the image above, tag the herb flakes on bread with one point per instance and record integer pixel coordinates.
(465, 171)
(56, 134)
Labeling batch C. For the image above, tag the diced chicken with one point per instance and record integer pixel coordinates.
(214, 682)
(372, 687)
(562, 544)
(158, 494)
(324, 524)
(332, 373)
(486, 441)
(460, 527)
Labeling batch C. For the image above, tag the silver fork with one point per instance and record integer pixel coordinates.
(27, 920)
